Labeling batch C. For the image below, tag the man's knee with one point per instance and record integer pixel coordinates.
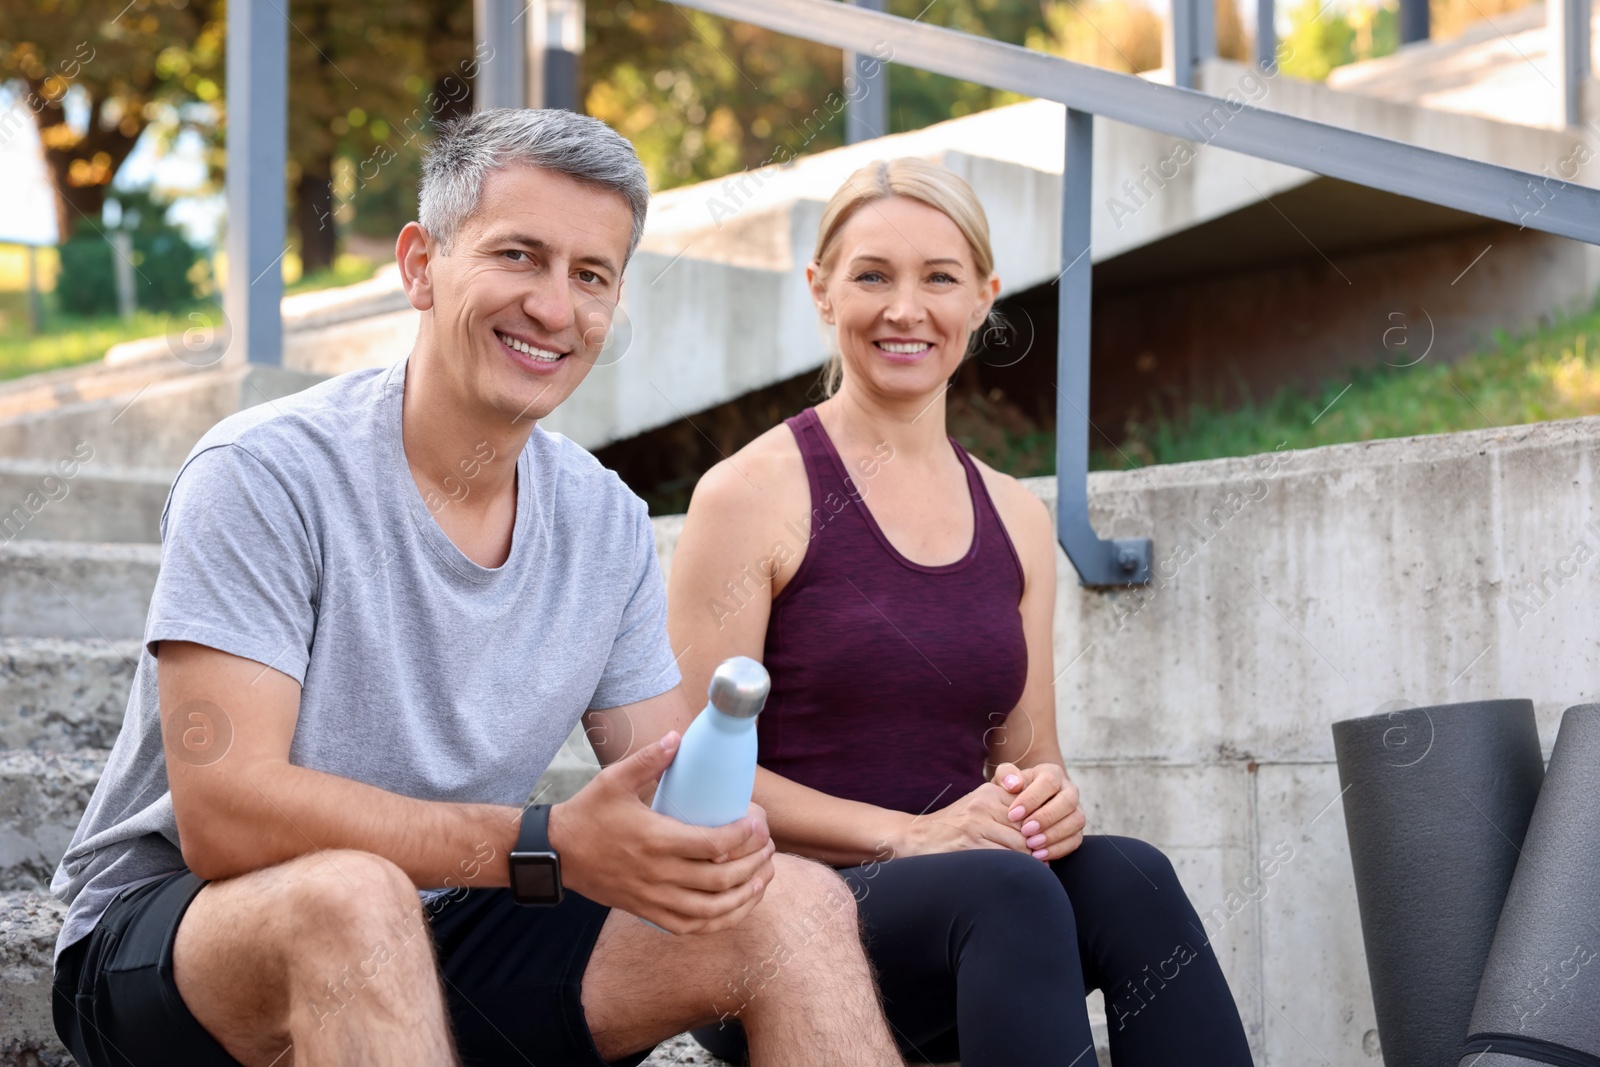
(808, 900)
(344, 895)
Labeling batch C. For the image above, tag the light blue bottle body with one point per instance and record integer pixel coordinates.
(713, 774)
(710, 780)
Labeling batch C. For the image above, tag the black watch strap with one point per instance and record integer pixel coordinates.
(535, 866)
(535, 833)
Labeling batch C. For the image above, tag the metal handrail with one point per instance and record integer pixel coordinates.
(1484, 189)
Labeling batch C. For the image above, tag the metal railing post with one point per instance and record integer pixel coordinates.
(503, 50)
(258, 147)
(1266, 35)
(1568, 25)
(1413, 21)
(1192, 39)
(866, 112)
(1098, 561)
(555, 53)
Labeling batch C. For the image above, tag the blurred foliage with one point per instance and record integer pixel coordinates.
(1447, 18)
(66, 340)
(702, 97)
(134, 64)
(1322, 37)
(367, 78)
(1552, 372)
(347, 269)
(1124, 35)
(162, 259)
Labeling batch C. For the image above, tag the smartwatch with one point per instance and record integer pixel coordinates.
(535, 867)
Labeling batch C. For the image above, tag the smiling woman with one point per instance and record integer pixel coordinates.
(902, 195)
(910, 735)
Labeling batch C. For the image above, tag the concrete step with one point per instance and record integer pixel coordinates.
(76, 589)
(44, 795)
(29, 922)
(87, 382)
(68, 498)
(153, 425)
(62, 694)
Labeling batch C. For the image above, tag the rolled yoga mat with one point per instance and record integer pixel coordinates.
(1436, 801)
(1539, 1001)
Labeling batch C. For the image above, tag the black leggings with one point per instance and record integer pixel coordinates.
(982, 957)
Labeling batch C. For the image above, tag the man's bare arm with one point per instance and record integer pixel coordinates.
(252, 808)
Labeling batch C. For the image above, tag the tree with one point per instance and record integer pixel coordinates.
(349, 62)
(132, 63)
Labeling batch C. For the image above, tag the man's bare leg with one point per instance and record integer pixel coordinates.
(324, 959)
(793, 972)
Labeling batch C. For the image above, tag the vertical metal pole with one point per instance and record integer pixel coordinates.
(502, 45)
(258, 146)
(1266, 35)
(1568, 25)
(555, 52)
(122, 270)
(1191, 39)
(1180, 43)
(866, 87)
(1124, 561)
(1205, 33)
(35, 303)
(1413, 21)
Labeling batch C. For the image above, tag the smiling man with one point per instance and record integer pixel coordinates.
(383, 604)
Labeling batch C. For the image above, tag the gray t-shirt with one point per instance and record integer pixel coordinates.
(295, 536)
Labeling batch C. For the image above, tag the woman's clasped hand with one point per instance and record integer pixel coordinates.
(1033, 810)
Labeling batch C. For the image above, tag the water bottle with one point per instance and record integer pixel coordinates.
(710, 780)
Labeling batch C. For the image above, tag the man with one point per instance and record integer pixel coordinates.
(383, 604)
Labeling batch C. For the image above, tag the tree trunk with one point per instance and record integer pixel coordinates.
(313, 201)
(80, 169)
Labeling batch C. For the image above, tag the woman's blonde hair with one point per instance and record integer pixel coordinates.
(914, 179)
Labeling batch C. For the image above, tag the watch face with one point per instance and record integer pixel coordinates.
(534, 878)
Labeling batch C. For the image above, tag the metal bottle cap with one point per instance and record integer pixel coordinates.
(739, 687)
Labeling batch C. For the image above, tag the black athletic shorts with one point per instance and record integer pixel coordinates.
(513, 977)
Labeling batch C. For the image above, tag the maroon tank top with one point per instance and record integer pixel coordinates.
(887, 674)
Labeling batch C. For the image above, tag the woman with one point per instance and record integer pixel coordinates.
(909, 643)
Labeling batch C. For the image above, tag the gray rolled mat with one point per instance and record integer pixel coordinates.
(1436, 800)
(1539, 1001)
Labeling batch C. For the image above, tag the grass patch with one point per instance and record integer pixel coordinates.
(1548, 373)
(347, 269)
(67, 340)
(1552, 372)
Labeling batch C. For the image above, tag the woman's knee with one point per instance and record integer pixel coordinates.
(1127, 863)
(994, 886)
(1110, 876)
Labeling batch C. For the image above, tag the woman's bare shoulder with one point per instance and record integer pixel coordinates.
(1026, 518)
(763, 477)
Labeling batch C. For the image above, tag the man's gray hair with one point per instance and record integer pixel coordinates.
(466, 149)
